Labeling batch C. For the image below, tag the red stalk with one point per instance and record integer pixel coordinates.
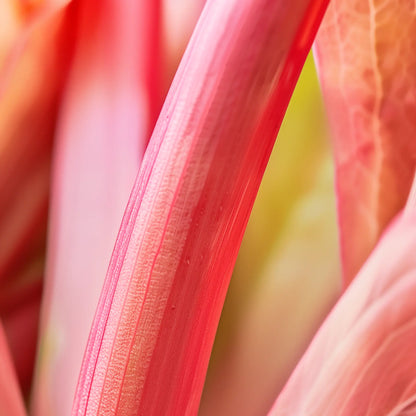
(11, 402)
(155, 324)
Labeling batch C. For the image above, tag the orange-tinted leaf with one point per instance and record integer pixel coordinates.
(367, 65)
(18, 20)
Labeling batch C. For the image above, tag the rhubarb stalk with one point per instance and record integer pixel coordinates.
(154, 327)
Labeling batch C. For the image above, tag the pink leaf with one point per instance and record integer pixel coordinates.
(362, 360)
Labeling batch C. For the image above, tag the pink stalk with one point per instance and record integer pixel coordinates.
(11, 402)
(154, 327)
(362, 360)
(367, 65)
(104, 121)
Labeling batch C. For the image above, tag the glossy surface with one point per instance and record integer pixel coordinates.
(152, 337)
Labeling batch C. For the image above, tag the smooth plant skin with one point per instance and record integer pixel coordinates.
(183, 225)
(367, 66)
(105, 118)
(275, 303)
(362, 360)
(11, 402)
(286, 308)
(28, 109)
